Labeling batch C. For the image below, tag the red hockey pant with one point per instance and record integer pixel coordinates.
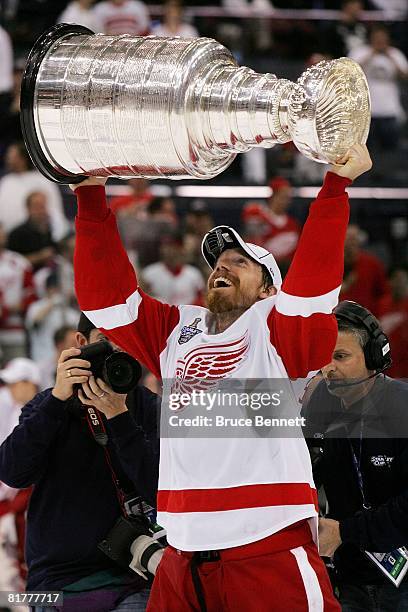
(281, 573)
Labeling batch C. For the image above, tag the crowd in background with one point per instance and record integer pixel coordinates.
(38, 308)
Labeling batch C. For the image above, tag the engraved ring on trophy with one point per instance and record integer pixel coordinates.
(175, 108)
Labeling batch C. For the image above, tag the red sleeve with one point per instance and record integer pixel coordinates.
(107, 287)
(302, 328)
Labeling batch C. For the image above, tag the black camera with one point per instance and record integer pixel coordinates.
(132, 544)
(119, 370)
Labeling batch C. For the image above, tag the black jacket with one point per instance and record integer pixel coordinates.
(74, 502)
(382, 417)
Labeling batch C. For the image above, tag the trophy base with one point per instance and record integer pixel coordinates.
(28, 89)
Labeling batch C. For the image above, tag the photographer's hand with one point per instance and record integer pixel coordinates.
(70, 372)
(98, 394)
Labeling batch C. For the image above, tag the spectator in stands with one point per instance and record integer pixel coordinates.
(348, 33)
(10, 127)
(163, 210)
(384, 66)
(364, 280)
(197, 222)
(173, 24)
(64, 338)
(171, 280)
(142, 236)
(135, 203)
(123, 17)
(393, 313)
(44, 317)
(270, 226)
(22, 180)
(33, 238)
(80, 12)
(21, 379)
(62, 266)
(17, 293)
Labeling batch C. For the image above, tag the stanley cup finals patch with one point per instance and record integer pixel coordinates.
(189, 331)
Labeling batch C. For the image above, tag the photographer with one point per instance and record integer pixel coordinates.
(80, 477)
(357, 429)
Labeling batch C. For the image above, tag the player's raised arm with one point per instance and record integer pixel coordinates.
(106, 283)
(303, 330)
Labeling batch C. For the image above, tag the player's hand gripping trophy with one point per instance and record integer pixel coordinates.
(96, 105)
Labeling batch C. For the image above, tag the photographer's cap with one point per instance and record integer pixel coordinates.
(222, 237)
(20, 369)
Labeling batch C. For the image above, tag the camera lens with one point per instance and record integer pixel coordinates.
(122, 372)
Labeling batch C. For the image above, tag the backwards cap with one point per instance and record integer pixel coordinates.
(222, 237)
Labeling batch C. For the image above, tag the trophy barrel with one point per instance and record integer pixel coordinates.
(175, 108)
(119, 106)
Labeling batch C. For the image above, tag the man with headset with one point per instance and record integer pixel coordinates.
(357, 426)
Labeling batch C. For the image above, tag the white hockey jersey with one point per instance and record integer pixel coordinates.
(218, 493)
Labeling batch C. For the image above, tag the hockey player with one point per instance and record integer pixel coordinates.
(240, 513)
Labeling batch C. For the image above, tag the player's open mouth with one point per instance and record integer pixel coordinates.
(222, 282)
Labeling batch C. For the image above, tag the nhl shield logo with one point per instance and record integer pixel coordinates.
(189, 331)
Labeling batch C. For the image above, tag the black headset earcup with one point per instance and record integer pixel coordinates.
(372, 355)
(377, 352)
(376, 355)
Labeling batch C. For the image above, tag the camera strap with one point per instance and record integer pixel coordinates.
(129, 500)
(97, 428)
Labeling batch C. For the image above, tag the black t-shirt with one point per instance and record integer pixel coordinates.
(27, 239)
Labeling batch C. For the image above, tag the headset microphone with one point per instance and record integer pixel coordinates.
(332, 385)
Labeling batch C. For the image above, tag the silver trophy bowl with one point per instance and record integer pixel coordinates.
(175, 108)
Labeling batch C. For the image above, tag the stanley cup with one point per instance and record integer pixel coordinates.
(175, 108)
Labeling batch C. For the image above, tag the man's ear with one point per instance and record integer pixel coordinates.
(266, 292)
(80, 340)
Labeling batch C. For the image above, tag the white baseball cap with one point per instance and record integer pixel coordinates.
(20, 369)
(222, 237)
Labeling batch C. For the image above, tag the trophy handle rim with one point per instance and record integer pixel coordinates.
(28, 86)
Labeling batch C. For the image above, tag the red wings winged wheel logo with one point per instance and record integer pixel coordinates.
(203, 366)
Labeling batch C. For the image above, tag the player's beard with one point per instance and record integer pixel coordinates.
(220, 302)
